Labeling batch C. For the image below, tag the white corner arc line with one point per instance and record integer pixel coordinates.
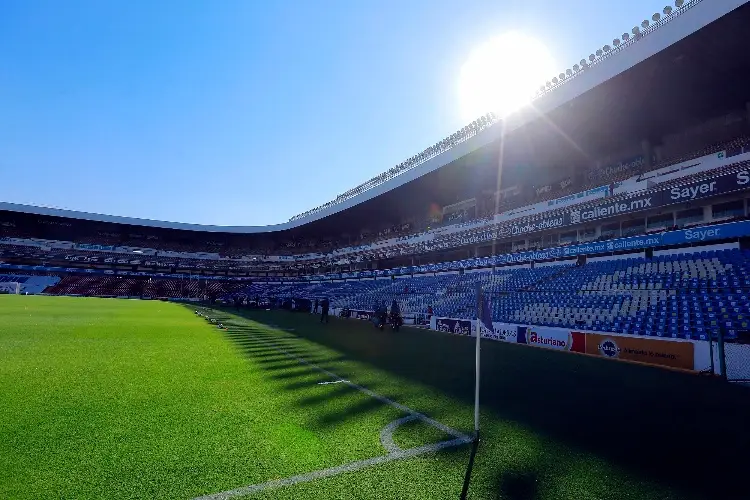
(386, 435)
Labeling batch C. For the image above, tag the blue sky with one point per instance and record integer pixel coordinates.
(244, 112)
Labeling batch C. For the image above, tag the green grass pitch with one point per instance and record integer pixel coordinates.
(106, 398)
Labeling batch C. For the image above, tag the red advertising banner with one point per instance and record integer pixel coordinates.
(552, 338)
(642, 349)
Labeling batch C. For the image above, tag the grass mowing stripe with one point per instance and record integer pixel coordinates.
(104, 398)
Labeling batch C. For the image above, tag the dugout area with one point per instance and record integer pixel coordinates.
(107, 398)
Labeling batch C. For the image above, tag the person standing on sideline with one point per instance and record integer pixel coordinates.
(324, 305)
(316, 307)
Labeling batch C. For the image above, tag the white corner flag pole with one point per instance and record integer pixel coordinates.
(476, 362)
(475, 443)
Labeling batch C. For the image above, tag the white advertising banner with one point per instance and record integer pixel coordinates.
(676, 171)
(546, 206)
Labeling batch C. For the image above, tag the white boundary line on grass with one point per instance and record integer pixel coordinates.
(333, 471)
(386, 439)
(372, 394)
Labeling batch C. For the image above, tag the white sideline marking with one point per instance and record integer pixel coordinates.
(367, 391)
(333, 471)
(386, 439)
(331, 382)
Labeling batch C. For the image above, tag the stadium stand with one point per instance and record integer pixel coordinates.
(30, 284)
(678, 295)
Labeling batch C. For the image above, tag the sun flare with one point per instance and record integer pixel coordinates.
(503, 74)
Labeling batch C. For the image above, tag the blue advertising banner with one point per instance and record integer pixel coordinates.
(105, 248)
(618, 245)
(684, 236)
(707, 233)
(729, 230)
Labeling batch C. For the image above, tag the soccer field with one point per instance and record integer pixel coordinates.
(106, 398)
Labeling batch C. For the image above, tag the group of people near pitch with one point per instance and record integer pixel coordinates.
(380, 316)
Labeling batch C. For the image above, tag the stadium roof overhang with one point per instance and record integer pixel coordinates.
(580, 91)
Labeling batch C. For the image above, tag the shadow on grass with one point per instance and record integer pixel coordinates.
(366, 405)
(265, 351)
(518, 485)
(656, 423)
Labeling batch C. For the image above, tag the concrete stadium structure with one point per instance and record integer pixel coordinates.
(695, 24)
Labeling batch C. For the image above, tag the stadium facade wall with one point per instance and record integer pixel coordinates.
(693, 17)
(725, 184)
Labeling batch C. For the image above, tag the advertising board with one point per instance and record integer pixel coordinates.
(503, 332)
(552, 338)
(457, 326)
(670, 353)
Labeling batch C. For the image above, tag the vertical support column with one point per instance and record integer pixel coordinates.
(722, 354)
(647, 154)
